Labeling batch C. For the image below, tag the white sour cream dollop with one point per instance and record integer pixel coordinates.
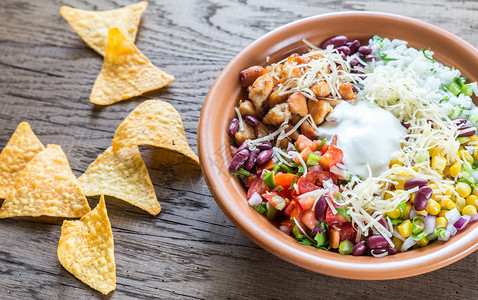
(366, 133)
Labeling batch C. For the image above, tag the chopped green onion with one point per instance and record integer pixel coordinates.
(421, 156)
(455, 112)
(269, 180)
(427, 56)
(467, 90)
(346, 247)
(396, 221)
(278, 202)
(467, 168)
(454, 88)
(419, 236)
(295, 165)
(433, 236)
(343, 212)
(321, 145)
(294, 181)
(261, 208)
(300, 170)
(313, 159)
(402, 207)
(276, 168)
(279, 188)
(243, 172)
(463, 139)
(445, 99)
(418, 224)
(446, 90)
(442, 232)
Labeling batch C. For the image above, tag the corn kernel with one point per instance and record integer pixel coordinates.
(449, 204)
(437, 151)
(396, 166)
(387, 196)
(422, 212)
(472, 200)
(412, 198)
(449, 190)
(463, 189)
(423, 242)
(397, 242)
(441, 222)
(395, 161)
(407, 210)
(460, 203)
(433, 207)
(473, 138)
(475, 154)
(405, 228)
(438, 163)
(442, 213)
(469, 210)
(455, 169)
(464, 155)
(395, 214)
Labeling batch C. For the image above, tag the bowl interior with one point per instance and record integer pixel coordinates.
(229, 192)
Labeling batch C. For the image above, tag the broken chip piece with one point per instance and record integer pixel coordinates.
(93, 26)
(46, 186)
(86, 249)
(155, 123)
(20, 149)
(126, 72)
(121, 174)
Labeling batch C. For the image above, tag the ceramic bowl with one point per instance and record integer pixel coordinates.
(229, 192)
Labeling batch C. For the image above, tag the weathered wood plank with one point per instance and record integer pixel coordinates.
(190, 250)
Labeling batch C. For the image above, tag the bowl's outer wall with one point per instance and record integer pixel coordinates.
(228, 191)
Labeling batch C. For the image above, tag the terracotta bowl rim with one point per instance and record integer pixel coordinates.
(230, 196)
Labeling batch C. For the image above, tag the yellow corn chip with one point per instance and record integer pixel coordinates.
(21, 148)
(123, 175)
(46, 186)
(86, 249)
(93, 26)
(155, 123)
(126, 72)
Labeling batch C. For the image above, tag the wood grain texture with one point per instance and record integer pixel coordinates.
(190, 250)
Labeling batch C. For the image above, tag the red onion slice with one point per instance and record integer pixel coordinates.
(462, 222)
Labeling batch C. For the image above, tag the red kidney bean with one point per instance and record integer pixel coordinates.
(411, 183)
(459, 121)
(391, 251)
(233, 127)
(242, 147)
(354, 62)
(383, 222)
(405, 124)
(377, 241)
(321, 208)
(264, 146)
(344, 49)
(344, 57)
(465, 131)
(359, 249)
(370, 57)
(252, 121)
(238, 160)
(353, 46)
(336, 41)
(421, 198)
(365, 50)
(263, 157)
(251, 162)
(355, 89)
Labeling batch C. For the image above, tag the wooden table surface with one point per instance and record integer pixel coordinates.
(190, 250)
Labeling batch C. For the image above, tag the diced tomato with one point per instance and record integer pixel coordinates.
(296, 212)
(315, 145)
(269, 165)
(347, 232)
(336, 219)
(304, 142)
(308, 218)
(285, 180)
(306, 202)
(290, 207)
(257, 186)
(306, 186)
(324, 149)
(304, 154)
(331, 157)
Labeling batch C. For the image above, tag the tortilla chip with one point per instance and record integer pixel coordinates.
(93, 26)
(21, 148)
(123, 175)
(126, 72)
(155, 123)
(46, 186)
(86, 249)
